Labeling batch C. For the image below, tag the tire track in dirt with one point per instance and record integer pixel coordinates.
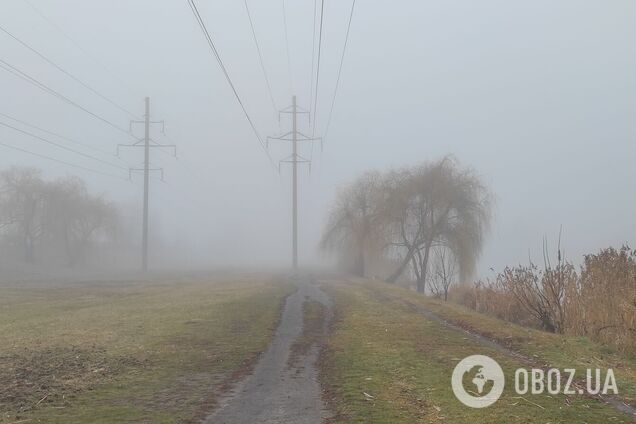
(279, 390)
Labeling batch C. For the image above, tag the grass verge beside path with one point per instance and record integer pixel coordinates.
(386, 363)
(129, 352)
(546, 349)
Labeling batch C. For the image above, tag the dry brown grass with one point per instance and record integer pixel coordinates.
(57, 373)
(598, 302)
(487, 299)
(602, 305)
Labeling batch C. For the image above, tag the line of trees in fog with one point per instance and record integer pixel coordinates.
(425, 223)
(58, 220)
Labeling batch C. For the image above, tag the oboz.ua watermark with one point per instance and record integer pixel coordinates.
(478, 381)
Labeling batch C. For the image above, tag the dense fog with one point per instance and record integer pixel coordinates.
(537, 98)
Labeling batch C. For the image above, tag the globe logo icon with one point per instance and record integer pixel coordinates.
(478, 381)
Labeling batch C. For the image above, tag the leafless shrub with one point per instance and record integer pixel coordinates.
(540, 292)
(444, 272)
(599, 302)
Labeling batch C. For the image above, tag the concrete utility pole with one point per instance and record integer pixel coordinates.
(294, 136)
(147, 144)
(144, 237)
(295, 186)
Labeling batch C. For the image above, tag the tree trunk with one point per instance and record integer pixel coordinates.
(405, 262)
(70, 260)
(421, 281)
(421, 285)
(29, 254)
(360, 263)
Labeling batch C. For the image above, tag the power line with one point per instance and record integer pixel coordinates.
(260, 56)
(188, 166)
(344, 51)
(322, 12)
(201, 23)
(60, 161)
(313, 58)
(82, 49)
(191, 170)
(20, 74)
(63, 137)
(289, 67)
(193, 201)
(311, 79)
(61, 146)
(73, 77)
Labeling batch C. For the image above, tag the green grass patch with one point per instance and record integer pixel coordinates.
(385, 363)
(548, 349)
(129, 352)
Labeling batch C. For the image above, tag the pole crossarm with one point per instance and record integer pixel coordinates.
(131, 170)
(280, 137)
(153, 144)
(157, 145)
(299, 137)
(163, 125)
(294, 161)
(295, 158)
(298, 111)
(290, 110)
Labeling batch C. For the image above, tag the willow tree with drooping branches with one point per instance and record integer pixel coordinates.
(407, 213)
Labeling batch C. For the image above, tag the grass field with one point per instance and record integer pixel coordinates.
(129, 352)
(162, 352)
(385, 362)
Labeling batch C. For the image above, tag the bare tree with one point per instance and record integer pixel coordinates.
(22, 200)
(436, 205)
(97, 223)
(60, 215)
(75, 219)
(352, 227)
(444, 272)
(406, 213)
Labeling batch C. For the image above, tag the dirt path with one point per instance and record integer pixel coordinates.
(279, 390)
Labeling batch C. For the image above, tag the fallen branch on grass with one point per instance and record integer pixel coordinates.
(531, 403)
(42, 400)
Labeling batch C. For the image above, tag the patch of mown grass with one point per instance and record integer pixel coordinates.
(135, 352)
(385, 363)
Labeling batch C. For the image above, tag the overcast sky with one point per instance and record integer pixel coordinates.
(538, 96)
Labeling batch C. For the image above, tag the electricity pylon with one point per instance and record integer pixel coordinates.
(147, 143)
(294, 136)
